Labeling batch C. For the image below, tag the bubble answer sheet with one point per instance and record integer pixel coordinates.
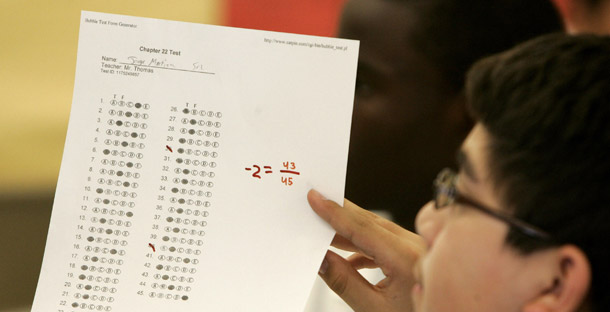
(189, 153)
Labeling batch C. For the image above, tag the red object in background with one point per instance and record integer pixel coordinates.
(310, 17)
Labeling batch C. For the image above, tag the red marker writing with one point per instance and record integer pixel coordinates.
(152, 246)
(169, 148)
(290, 171)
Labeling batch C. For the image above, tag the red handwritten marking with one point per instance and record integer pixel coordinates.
(290, 171)
(152, 246)
(257, 171)
(169, 148)
(287, 181)
(248, 169)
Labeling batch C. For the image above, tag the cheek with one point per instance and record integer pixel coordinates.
(392, 102)
(384, 109)
(445, 271)
(381, 127)
(462, 272)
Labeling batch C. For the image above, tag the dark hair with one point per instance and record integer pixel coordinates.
(546, 105)
(454, 34)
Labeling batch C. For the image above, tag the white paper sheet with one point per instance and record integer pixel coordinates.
(189, 153)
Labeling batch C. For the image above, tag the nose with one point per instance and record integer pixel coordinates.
(429, 222)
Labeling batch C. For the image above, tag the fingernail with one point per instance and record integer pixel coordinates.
(323, 267)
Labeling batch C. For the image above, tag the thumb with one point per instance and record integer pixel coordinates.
(346, 282)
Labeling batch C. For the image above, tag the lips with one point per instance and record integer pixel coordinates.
(417, 289)
(417, 276)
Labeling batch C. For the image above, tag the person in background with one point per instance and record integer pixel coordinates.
(585, 16)
(523, 224)
(409, 115)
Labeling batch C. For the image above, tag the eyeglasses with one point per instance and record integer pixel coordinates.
(446, 194)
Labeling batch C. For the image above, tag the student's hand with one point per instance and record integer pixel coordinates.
(377, 243)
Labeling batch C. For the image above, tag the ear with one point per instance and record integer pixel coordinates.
(568, 290)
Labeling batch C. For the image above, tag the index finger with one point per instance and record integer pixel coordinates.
(357, 226)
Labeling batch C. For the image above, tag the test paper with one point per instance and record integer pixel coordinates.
(189, 153)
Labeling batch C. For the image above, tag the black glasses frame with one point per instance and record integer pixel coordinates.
(446, 193)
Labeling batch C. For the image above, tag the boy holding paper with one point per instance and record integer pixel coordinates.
(523, 225)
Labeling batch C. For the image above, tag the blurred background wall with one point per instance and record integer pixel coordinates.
(38, 43)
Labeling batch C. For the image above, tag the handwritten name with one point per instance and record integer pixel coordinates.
(153, 62)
